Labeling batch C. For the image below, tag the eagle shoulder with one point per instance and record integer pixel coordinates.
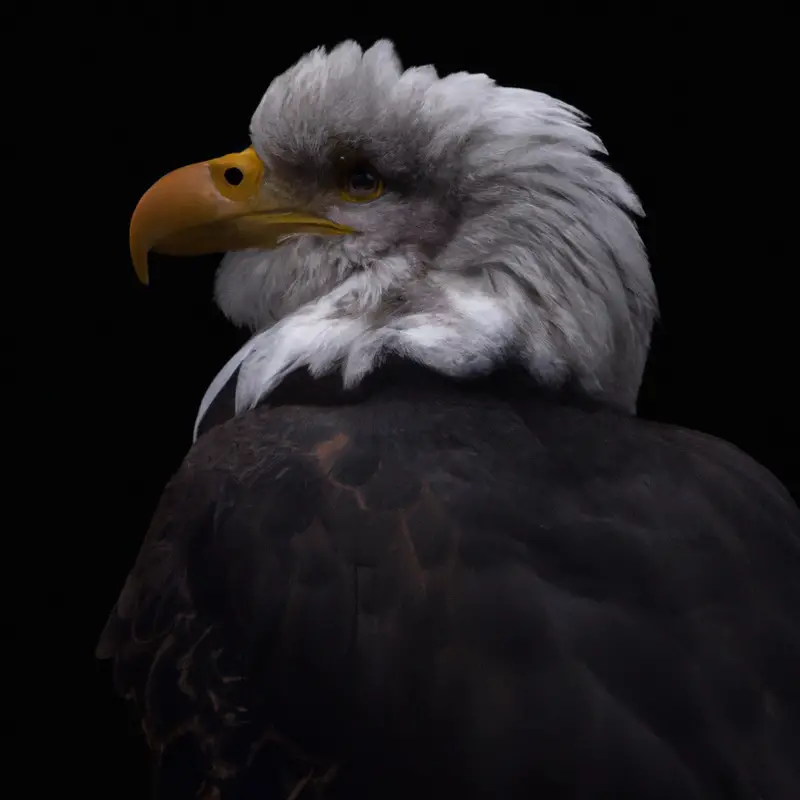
(470, 591)
(250, 598)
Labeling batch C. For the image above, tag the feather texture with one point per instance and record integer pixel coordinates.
(443, 590)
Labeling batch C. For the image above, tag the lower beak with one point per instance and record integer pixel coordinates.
(216, 206)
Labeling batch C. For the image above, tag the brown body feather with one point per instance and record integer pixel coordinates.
(440, 591)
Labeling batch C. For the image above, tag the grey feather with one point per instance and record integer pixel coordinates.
(501, 236)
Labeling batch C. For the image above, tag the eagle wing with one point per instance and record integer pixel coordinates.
(475, 600)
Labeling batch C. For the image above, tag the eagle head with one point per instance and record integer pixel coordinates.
(454, 222)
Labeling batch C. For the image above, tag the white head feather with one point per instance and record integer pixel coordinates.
(501, 237)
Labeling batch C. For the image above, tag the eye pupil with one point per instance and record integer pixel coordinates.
(363, 180)
(234, 176)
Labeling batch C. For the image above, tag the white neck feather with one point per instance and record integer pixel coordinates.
(466, 334)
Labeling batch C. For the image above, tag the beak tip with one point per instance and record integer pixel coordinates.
(142, 273)
(139, 258)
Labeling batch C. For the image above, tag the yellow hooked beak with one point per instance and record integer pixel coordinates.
(217, 206)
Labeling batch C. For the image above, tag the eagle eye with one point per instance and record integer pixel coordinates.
(360, 184)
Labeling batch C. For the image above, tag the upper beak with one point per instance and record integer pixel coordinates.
(216, 206)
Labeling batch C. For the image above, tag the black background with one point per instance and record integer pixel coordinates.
(132, 93)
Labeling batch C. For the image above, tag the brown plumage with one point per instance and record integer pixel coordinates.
(438, 589)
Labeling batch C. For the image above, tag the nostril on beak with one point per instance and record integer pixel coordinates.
(234, 176)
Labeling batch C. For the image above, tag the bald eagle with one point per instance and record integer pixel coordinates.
(432, 552)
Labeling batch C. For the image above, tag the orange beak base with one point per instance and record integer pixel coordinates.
(217, 206)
